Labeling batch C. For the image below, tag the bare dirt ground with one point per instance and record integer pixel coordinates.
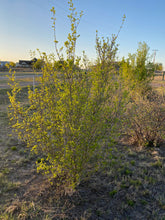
(158, 83)
(131, 186)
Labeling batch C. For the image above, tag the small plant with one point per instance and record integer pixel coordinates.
(113, 162)
(132, 154)
(157, 164)
(112, 193)
(132, 162)
(143, 202)
(150, 179)
(127, 172)
(5, 171)
(14, 148)
(135, 182)
(5, 184)
(124, 184)
(130, 202)
(124, 171)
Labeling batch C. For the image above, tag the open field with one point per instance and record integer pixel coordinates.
(23, 78)
(132, 186)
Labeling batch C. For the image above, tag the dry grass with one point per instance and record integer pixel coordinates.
(159, 85)
(23, 78)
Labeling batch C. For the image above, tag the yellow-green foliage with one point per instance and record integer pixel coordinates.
(38, 64)
(71, 112)
(158, 66)
(137, 67)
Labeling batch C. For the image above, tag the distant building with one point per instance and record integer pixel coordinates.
(26, 63)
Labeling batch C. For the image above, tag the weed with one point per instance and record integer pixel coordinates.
(6, 185)
(11, 185)
(124, 185)
(22, 161)
(132, 153)
(127, 172)
(5, 171)
(135, 182)
(112, 193)
(6, 216)
(146, 193)
(130, 202)
(132, 162)
(113, 162)
(157, 164)
(145, 171)
(151, 180)
(14, 148)
(143, 202)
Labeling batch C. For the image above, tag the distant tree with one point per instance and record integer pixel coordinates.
(137, 67)
(12, 64)
(158, 66)
(141, 59)
(38, 64)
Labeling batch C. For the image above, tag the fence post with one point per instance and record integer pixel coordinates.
(163, 75)
(33, 83)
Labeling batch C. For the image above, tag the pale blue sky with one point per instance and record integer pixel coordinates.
(26, 25)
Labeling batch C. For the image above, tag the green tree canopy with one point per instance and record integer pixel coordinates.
(137, 67)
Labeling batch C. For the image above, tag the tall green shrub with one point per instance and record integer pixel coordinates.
(71, 113)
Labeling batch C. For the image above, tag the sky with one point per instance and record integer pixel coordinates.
(26, 25)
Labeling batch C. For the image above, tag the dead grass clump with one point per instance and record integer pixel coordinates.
(145, 121)
(13, 208)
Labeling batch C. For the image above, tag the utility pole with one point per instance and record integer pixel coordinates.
(154, 55)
